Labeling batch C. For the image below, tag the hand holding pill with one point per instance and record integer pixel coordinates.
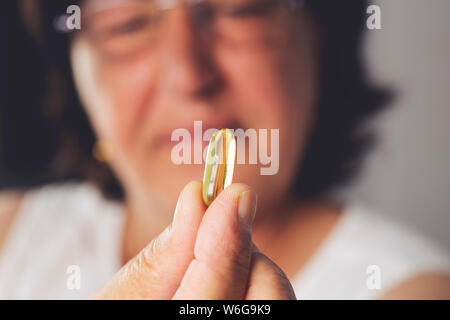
(206, 253)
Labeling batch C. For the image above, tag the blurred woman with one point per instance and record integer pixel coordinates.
(138, 70)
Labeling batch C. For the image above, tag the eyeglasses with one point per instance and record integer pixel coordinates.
(123, 27)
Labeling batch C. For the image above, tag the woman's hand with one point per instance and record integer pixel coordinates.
(207, 253)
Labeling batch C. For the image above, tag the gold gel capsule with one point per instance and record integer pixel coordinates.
(219, 166)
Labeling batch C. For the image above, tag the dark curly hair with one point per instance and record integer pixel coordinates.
(45, 136)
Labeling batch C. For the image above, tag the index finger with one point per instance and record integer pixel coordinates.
(223, 248)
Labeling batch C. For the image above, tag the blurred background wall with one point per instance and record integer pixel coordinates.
(408, 175)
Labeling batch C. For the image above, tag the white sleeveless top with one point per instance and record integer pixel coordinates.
(61, 226)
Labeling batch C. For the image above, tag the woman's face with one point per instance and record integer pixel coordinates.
(140, 79)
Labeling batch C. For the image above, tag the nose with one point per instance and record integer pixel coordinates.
(189, 68)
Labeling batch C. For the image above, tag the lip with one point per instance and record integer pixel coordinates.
(165, 138)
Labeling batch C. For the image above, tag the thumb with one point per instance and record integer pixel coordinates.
(157, 270)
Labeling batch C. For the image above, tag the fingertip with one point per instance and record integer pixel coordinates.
(193, 187)
(239, 198)
(190, 206)
(230, 195)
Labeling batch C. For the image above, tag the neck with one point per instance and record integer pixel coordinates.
(144, 222)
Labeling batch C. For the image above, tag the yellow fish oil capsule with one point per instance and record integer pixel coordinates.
(219, 166)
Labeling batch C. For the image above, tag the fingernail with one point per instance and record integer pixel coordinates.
(247, 206)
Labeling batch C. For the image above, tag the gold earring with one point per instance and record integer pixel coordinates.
(102, 151)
